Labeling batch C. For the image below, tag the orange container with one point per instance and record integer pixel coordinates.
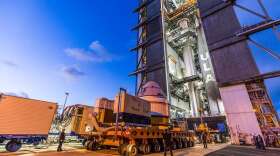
(82, 121)
(158, 105)
(22, 116)
(104, 103)
(132, 105)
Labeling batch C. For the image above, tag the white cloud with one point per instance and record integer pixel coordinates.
(96, 53)
(79, 54)
(98, 48)
(72, 72)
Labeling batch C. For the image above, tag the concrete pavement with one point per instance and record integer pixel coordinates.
(213, 150)
(77, 149)
(244, 151)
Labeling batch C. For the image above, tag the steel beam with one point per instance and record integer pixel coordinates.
(145, 21)
(148, 69)
(250, 11)
(259, 77)
(216, 8)
(142, 5)
(258, 27)
(186, 79)
(146, 43)
(269, 51)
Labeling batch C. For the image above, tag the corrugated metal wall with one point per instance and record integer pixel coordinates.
(231, 56)
(155, 48)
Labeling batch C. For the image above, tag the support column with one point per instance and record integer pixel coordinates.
(242, 120)
(188, 60)
(193, 99)
(190, 71)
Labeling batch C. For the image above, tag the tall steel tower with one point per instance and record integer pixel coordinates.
(172, 51)
(198, 53)
(247, 104)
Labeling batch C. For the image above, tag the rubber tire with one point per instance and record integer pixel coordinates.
(185, 144)
(157, 148)
(93, 146)
(174, 146)
(141, 148)
(189, 143)
(2, 140)
(179, 145)
(132, 150)
(192, 144)
(13, 146)
(36, 142)
(147, 149)
(107, 147)
(89, 146)
(122, 149)
(86, 144)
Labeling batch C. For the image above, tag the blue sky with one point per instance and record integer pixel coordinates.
(48, 47)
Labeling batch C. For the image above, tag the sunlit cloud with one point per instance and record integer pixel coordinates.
(96, 53)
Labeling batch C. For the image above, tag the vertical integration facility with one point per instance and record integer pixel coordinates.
(172, 51)
(198, 53)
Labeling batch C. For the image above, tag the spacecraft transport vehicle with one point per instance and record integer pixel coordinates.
(132, 124)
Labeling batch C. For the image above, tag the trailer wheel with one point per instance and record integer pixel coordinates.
(2, 140)
(184, 143)
(188, 143)
(106, 147)
(179, 144)
(86, 144)
(13, 146)
(157, 148)
(84, 141)
(36, 142)
(132, 150)
(122, 149)
(89, 145)
(174, 146)
(192, 144)
(147, 149)
(93, 146)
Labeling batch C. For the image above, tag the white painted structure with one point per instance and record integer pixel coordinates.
(241, 117)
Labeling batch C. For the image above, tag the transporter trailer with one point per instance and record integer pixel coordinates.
(132, 124)
(131, 140)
